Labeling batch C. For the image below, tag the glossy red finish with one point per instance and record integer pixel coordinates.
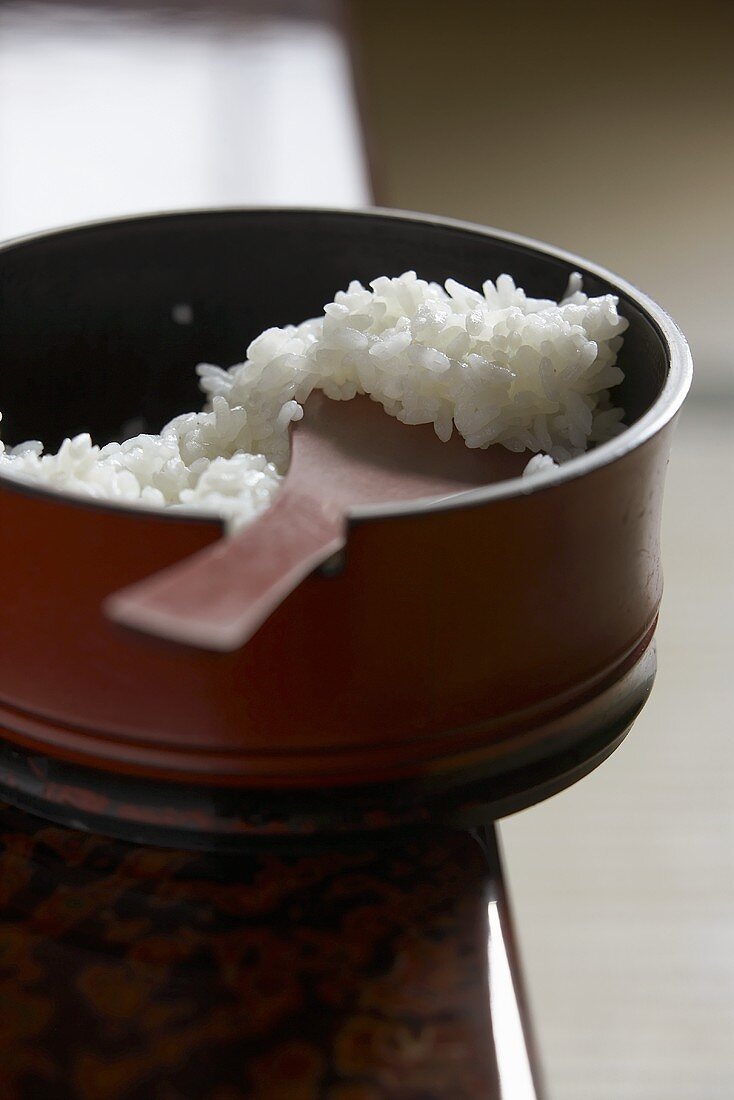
(451, 636)
(270, 712)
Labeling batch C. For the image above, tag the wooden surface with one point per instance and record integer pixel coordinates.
(133, 973)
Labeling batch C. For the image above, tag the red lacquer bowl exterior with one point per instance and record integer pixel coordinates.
(457, 639)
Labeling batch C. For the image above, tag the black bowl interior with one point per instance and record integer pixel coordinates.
(91, 332)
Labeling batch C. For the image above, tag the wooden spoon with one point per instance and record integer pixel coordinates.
(344, 453)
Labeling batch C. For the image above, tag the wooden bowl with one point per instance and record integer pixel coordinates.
(461, 644)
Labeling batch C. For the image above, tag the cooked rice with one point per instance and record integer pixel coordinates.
(497, 366)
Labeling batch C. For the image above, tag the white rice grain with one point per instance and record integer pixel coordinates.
(497, 366)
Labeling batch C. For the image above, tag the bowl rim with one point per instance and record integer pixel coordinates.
(660, 413)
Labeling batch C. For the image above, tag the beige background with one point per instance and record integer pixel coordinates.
(607, 130)
(604, 129)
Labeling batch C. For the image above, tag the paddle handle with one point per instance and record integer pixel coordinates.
(218, 598)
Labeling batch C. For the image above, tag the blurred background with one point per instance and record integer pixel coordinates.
(605, 130)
